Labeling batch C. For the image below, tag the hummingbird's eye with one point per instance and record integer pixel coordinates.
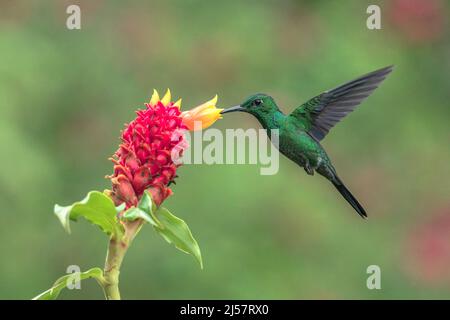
(257, 102)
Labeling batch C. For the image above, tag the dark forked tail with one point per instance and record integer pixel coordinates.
(349, 197)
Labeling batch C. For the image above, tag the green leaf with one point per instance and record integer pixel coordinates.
(61, 283)
(97, 208)
(144, 211)
(146, 203)
(136, 213)
(176, 231)
(120, 208)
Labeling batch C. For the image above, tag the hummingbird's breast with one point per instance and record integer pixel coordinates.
(290, 147)
(299, 146)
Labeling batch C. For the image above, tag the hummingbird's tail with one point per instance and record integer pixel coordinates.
(348, 196)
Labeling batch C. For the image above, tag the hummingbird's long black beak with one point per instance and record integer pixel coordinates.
(233, 109)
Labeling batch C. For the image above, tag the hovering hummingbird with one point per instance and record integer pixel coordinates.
(300, 133)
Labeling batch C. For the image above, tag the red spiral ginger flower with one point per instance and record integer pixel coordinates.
(144, 158)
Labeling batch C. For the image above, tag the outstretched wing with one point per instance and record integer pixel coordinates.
(322, 112)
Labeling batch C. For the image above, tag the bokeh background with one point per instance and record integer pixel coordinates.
(64, 96)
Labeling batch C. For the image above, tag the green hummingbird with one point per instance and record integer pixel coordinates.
(299, 133)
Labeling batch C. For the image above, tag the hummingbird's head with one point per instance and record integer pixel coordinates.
(259, 104)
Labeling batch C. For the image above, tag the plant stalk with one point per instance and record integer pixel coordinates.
(117, 249)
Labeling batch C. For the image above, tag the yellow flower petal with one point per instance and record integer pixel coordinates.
(167, 97)
(178, 104)
(208, 104)
(209, 122)
(155, 98)
(213, 101)
(206, 113)
(211, 112)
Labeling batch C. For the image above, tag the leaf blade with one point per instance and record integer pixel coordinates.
(174, 230)
(137, 213)
(144, 211)
(97, 208)
(61, 283)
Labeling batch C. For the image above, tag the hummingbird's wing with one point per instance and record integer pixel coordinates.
(322, 112)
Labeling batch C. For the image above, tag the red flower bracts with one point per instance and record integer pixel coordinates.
(144, 158)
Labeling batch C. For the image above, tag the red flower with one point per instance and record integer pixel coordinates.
(143, 160)
(419, 21)
(428, 249)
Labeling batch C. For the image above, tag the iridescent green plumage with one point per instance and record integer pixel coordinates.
(300, 132)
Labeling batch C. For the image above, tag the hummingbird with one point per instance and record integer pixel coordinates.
(300, 132)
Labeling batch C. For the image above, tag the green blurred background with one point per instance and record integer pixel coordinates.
(64, 96)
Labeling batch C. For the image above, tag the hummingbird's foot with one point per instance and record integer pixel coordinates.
(308, 169)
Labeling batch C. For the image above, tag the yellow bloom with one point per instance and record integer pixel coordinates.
(205, 115)
(200, 117)
(165, 100)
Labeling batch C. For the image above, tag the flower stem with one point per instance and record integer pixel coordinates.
(114, 257)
